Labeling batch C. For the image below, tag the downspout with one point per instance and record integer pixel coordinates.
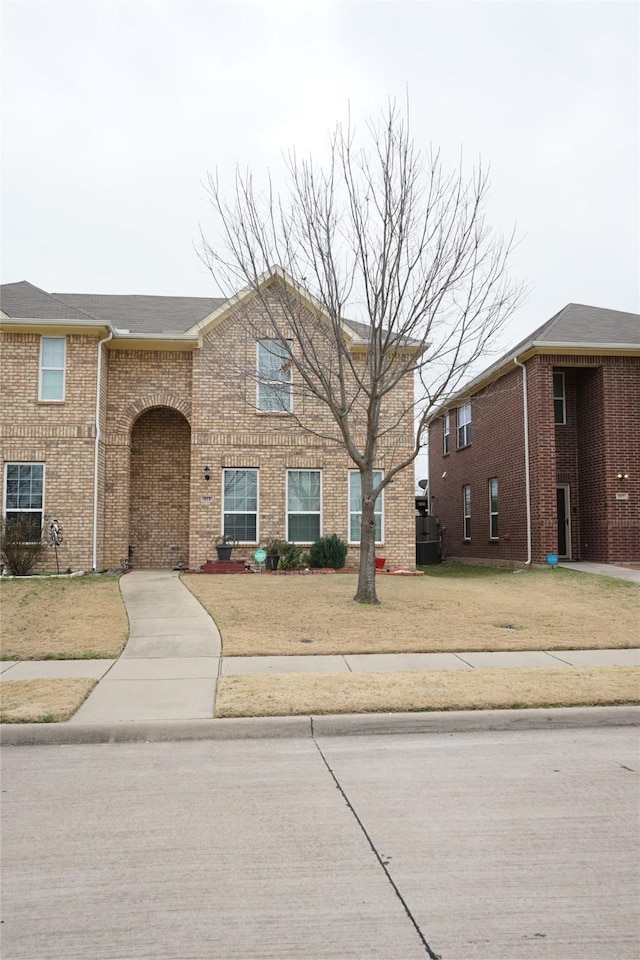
(527, 471)
(96, 450)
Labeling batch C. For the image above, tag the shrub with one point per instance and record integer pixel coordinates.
(291, 556)
(328, 552)
(21, 545)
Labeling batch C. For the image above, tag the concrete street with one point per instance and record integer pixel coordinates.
(496, 845)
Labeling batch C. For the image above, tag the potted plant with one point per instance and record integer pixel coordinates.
(224, 544)
(275, 548)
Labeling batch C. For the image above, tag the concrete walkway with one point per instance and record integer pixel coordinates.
(630, 574)
(170, 665)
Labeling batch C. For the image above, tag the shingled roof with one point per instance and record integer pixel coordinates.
(579, 324)
(139, 314)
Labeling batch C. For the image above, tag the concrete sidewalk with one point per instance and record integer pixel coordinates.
(169, 668)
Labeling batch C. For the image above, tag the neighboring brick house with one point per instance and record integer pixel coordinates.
(119, 420)
(581, 371)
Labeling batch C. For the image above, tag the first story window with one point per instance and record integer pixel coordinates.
(464, 425)
(240, 505)
(559, 399)
(304, 505)
(466, 511)
(52, 364)
(446, 433)
(24, 496)
(355, 506)
(275, 377)
(493, 508)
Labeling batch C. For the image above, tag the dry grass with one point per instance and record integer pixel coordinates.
(264, 615)
(46, 618)
(42, 701)
(312, 693)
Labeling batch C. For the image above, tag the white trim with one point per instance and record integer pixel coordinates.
(96, 451)
(41, 510)
(42, 369)
(255, 470)
(300, 513)
(380, 513)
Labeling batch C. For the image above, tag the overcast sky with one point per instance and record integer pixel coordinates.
(113, 113)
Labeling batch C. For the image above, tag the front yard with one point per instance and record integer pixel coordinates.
(458, 609)
(46, 618)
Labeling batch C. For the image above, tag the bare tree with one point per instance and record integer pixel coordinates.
(387, 236)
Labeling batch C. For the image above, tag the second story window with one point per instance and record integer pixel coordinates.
(446, 432)
(559, 400)
(464, 425)
(52, 365)
(275, 377)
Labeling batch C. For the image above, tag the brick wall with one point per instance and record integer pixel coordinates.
(159, 492)
(60, 435)
(152, 400)
(496, 450)
(600, 439)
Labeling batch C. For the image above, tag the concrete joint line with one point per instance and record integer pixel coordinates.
(405, 905)
(555, 656)
(464, 661)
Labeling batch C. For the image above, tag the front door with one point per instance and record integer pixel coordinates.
(564, 521)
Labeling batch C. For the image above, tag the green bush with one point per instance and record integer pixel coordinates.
(328, 552)
(291, 556)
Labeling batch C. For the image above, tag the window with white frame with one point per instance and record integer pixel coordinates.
(24, 495)
(446, 432)
(52, 364)
(355, 506)
(559, 399)
(275, 377)
(304, 505)
(240, 505)
(493, 508)
(466, 511)
(464, 425)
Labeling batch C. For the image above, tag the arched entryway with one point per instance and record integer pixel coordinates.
(159, 489)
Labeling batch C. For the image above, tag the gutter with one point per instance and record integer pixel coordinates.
(527, 466)
(96, 449)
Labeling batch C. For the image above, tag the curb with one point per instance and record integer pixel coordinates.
(338, 725)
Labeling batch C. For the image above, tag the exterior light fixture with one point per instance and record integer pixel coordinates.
(207, 473)
(623, 476)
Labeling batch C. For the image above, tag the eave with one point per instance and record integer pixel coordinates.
(533, 349)
(121, 340)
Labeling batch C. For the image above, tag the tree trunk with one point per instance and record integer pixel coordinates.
(366, 592)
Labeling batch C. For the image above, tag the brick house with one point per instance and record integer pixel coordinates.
(122, 417)
(570, 482)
